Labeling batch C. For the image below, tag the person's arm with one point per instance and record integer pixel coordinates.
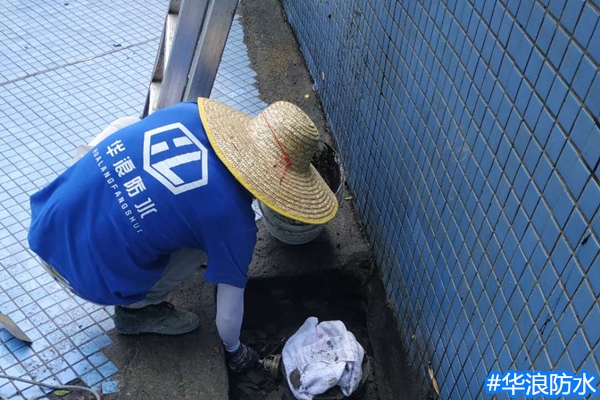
(228, 262)
(230, 313)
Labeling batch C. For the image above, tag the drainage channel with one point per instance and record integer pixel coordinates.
(275, 309)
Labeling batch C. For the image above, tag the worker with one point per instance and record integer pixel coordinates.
(147, 203)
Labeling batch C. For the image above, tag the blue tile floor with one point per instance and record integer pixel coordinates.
(67, 69)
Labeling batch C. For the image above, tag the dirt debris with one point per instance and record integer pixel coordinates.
(74, 394)
(277, 307)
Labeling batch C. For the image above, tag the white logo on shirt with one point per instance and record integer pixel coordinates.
(176, 158)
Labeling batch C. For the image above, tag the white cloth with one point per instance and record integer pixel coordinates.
(320, 356)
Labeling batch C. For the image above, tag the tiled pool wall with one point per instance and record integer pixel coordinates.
(67, 69)
(470, 134)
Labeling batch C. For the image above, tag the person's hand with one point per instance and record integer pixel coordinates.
(243, 359)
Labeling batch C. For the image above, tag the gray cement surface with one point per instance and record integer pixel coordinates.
(190, 366)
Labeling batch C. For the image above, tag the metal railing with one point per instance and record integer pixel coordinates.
(190, 51)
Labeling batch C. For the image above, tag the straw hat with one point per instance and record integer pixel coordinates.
(270, 156)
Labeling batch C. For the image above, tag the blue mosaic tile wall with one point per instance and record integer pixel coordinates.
(470, 134)
(67, 69)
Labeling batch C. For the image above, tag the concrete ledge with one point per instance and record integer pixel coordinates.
(341, 245)
(283, 75)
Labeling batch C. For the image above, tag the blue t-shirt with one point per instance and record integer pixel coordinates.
(109, 223)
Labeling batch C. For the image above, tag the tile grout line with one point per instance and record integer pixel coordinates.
(78, 61)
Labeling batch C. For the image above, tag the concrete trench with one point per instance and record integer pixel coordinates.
(277, 307)
(334, 277)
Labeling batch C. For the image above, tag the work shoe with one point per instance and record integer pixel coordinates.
(161, 318)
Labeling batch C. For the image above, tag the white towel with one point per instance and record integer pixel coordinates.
(320, 356)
